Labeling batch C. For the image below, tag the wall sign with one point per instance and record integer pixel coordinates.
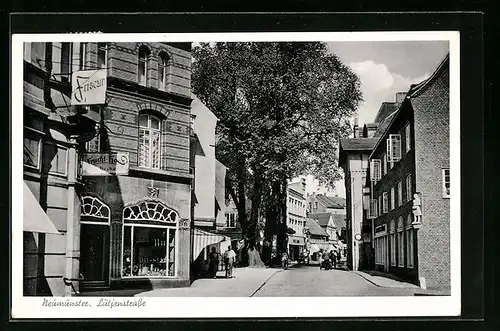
(102, 164)
(88, 87)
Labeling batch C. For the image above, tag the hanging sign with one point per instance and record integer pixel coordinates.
(88, 87)
(105, 164)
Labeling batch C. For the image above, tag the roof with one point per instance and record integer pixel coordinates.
(383, 125)
(314, 228)
(331, 202)
(386, 108)
(357, 144)
(371, 125)
(339, 220)
(415, 91)
(321, 218)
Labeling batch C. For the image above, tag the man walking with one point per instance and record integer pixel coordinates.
(229, 257)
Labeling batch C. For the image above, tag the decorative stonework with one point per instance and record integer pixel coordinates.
(153, 106)
(184, 224)
(153, 192)
(92, 206)
(150, 210)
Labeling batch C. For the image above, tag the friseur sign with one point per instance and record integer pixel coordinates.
(103, 164)
(88, 87)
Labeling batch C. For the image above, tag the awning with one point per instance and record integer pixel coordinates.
(203, 239)
(35, 218)
(91, 170)
(296, 240)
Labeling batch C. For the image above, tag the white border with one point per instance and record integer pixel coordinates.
(30, 307)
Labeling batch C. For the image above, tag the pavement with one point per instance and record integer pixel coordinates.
(246, 282)
(382, 281)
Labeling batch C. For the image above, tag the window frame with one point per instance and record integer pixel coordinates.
(150, 130)
(400, 194)
(66, 149)
(143, 50)
(392, 243)
(163, 65)
(101, 48)
(385, 202)
(409, 241)
(407, 138)
(401, 243)
(409, 188)
(446, 192)
(37, 134)
(385, 170)
(65, 73)
(393, 198)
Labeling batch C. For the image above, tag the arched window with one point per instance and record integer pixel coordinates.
(409, 241)
(143, 65)
(149, 240)
(162, 71)
(393, 242)
(149, 141)
(94, 208)
(401, 250)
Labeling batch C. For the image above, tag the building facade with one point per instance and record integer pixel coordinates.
(409, 169)
(322, 203)
(296, 214)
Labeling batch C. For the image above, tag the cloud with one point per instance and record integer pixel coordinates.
(379, 84)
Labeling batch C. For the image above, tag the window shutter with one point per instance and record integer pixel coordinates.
(372, 211)
(394, 148)
(375, 170)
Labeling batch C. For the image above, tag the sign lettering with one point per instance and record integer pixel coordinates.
(89, 87)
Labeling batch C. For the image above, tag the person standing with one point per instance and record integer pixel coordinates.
(339, 257)
(229, 257)
(213, 263)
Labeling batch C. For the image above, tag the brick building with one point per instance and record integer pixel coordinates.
(296, 214)
(115, 230)
(409, 167)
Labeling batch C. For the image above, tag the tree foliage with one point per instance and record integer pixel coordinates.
(282, 108)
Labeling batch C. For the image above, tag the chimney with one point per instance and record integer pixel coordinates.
(356, 128)
(400, 96)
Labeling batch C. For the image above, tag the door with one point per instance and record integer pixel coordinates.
(94, 254)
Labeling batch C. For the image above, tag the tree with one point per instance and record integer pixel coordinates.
(282, 108)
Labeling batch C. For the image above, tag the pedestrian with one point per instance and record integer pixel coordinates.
(339, 257)
(229, 256)
(332, 258)
(213, 263)
(320, 258)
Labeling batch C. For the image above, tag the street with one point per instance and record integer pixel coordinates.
(310, 281)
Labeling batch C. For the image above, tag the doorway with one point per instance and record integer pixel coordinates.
(94, 255)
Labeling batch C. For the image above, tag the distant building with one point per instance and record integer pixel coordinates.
(320, 203)
(296, 213)
(325, 220)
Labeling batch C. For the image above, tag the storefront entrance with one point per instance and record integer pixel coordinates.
(94, 244)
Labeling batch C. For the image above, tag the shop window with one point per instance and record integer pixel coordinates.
(446, 183)
(102, 55)
(162, 71)
(409, 241)
(409, 192)
(401, 249)
(149, 141)
(33, 133)
(143, 65)
(149, 241)
(59, 163)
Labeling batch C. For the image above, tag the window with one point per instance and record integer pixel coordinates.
(143, 65)
(372, 209)
(230, 220)
(407, 138)
(102, 55)
(192, 125)
(162, 71)
(33, 132)
(409, 241)
(384, 157)
(65, 62)
(375, 171)
(393, 243)
(400, 193)
(401, 249)
(446, 183)
(83, 50)
(59, 163)
(385, 201)
(394, 148)
(380, 210)
(393, 198)
(315, 204)
(94, 145)
(149, 240)
(149, 141)
(364, 161)
(381, 250)
(409, 192)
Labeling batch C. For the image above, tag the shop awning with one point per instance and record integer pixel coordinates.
(34, 217)
(296, 240)
(203, 239)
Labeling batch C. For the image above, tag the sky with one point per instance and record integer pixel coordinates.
(384, 68)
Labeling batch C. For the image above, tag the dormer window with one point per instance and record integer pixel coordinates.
(143, 65)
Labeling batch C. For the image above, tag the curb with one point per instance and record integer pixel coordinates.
(361, 274)
(265, 282)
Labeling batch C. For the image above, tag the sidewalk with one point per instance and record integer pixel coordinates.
(246, 282)
(381, 281)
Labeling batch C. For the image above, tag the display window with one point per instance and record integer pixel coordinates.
(149, 241)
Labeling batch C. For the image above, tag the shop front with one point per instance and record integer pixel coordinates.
(296, 245)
